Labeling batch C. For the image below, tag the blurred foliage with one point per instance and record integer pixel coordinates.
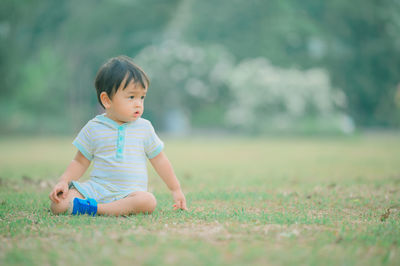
(295, 101)
(358, 42)
(50, 52)
(251, 96)
(188, 79)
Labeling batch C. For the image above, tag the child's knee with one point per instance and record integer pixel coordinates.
(58, 208)
(149, 202)
(152, 203)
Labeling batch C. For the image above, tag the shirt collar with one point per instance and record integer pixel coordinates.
(108, 121)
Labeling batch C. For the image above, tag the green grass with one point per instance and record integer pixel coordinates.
(279, 201)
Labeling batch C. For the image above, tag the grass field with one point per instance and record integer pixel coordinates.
(273, 201)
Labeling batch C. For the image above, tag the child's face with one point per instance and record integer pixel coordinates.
(127, 104)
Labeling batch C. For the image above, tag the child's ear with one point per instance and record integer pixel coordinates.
(105, 100)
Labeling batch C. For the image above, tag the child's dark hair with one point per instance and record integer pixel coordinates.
(113, 72)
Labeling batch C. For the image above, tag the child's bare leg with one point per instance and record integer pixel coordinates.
(137, 202)
(62, 206)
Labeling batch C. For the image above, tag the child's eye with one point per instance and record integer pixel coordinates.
(131, 97)
(143, 97)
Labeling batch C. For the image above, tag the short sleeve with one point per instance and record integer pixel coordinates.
(152, 144)
(84, 142)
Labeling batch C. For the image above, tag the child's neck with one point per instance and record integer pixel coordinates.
(108, 115)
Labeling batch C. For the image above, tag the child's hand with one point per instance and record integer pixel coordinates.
(180, 200)
(59, 192)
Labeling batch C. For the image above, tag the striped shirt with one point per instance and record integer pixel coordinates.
(118, 153)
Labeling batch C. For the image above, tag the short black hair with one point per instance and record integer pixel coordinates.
(114, 71)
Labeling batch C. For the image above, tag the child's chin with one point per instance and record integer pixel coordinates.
(134, 118)
(128, 120)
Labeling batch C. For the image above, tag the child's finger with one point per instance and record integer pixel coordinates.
(64, 193)
(53, 198)
(183, 206)
(56, 200)
(57, 195)
(178, 205)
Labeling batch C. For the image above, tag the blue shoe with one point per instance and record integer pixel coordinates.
(84, 206)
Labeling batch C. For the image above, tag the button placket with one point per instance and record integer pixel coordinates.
(120, 142)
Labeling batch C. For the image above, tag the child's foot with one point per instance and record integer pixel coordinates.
(83, 206)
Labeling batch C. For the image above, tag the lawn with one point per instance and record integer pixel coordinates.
(275, 201)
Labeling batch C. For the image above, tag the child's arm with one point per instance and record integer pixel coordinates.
(74, 171)
(164, 169)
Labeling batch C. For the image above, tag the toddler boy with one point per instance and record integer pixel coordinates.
(118, 143)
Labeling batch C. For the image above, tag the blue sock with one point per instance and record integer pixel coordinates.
(84, 206)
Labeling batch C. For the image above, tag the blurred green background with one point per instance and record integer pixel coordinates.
(221, 66)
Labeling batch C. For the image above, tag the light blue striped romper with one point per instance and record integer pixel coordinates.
(119, 154)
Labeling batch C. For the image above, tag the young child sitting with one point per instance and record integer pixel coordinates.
(118, 143)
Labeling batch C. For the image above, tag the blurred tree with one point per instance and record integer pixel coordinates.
(271, 99)
(51, 51)
(358, 42)
(205, 86)
(363, 55)
(187, 79)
